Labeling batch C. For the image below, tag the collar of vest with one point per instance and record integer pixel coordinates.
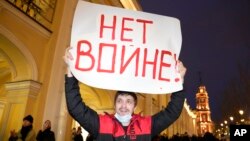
(134, 116)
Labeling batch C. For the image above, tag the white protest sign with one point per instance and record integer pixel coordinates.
(119, 49)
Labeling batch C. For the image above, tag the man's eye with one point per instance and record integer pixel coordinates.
(130, 102)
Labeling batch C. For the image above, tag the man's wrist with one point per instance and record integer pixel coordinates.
(69, 74)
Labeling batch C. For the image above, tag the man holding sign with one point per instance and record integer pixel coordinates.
(124, 124)
(124, 52)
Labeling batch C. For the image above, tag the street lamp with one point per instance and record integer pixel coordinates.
(231, 118)
(225, 122)
(241, 112)
(242, 120)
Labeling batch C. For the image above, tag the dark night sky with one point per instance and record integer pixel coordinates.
(216, 39)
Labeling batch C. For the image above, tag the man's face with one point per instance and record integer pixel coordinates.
(47, 124)
(124, 104)
(26, 123)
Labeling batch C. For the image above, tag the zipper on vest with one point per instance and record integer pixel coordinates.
(124, 137)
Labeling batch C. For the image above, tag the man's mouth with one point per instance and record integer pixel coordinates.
(124, 111)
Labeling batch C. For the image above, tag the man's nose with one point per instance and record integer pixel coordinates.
(124, 104)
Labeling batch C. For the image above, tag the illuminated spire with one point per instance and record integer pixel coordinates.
(200, 78)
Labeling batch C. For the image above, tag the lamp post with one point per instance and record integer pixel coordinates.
(242, 120)
(226, 131)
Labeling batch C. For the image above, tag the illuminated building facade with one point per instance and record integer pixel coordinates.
(33, 38)
(203, 120)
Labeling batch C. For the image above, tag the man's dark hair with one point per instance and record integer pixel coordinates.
(28, 118)
(126, 93)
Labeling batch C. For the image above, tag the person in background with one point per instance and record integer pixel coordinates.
(89, 138)
(13, 135)
(73, 133)
(46, 134)
(26, 133)
(123, 124)
(78, 136)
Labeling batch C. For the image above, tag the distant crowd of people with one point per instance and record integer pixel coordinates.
(27, 133)
(185, 137)
(77, 135)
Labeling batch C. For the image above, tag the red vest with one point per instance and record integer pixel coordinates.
(111, 129)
